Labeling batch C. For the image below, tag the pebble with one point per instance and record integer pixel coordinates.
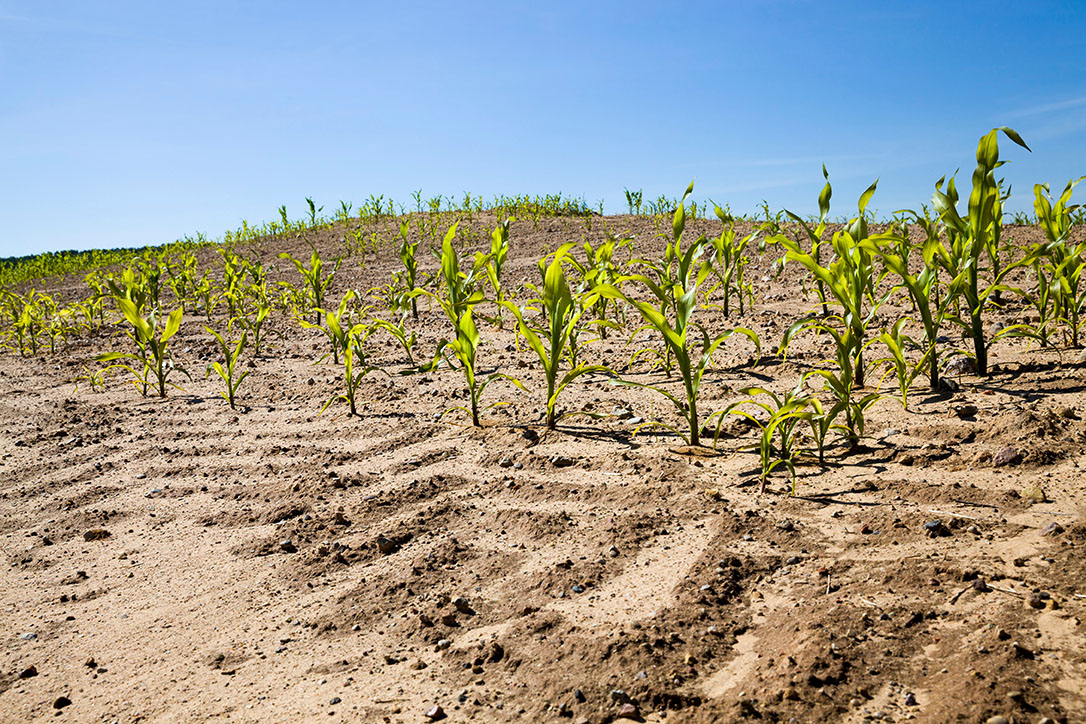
(998, 719)
(965, 411)
(578, 588)
(1006, 456)
(786, 525)
(910, 699)
(435, 713)
(287, 546)
(936, 529)
(28, 636)
(1052, 528)
(629, 711)
(387, 546)
(61, 702)
(505, 462)
(28, 672)
(463, 605)
(579, 696)
(561, 461)
(960, 366)
(96, 534)
(613, 552)
(335, 700)
(443, 644)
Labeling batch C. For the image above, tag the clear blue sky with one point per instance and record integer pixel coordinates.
(126, 123)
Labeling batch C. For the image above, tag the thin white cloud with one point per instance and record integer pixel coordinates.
(1047, 108)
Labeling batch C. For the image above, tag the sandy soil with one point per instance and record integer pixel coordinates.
(532, 575)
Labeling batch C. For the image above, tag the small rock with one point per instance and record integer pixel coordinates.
(449, 619)
(998, 719)
(1006, 456)
(981, 586)
(936, 529)
(786, 525)
(435, 713)
(620, 696)
(961, 366)
(505, 462)
(561, 461)
(948, 385)
(1021, 652)
(443, 644)
(287, 546)
(518, 465)
(387, 546)
(28, 672)
(335, 700)
(497, 653)
(96, 534)
(1034, 494)
(910, 699)
(613, 552)
(1052, 528)
(629, 711)
(463, 606)
(28, 636)
(578, 588)
(61, 702)
(579, 696)
(965, 411)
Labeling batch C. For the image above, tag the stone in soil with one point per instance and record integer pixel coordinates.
(96, 534)
(1006, 456)
(61, 702)
(387, 546)
(435, 713)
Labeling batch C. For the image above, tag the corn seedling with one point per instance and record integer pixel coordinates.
(495, 262)
(152, 347)
(460, 297)
(408, 250)
(315, 282)
(227, 369)
(676, 293)
(976, 234)
(549, 339)
(729, 263)
(1064, 259)
(896, 342)
(849, 279)
(784, 413)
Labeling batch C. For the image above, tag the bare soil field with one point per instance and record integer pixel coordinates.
(176, 560)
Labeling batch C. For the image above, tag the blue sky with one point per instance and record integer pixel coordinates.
(128, 123)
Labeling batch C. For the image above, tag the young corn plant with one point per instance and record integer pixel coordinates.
(408, 251)
(461, 295)
(783, 413)
(602, 267)
(315, 281)
(549, 339)
(729, 263)
(976, 234)
(495, 262)
(227, 370)
(896, 343)
(355, 367)
(1064, 258)
(934, 305)
(815, 235)
(152, 348)
(677, 298)
(849, 279)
